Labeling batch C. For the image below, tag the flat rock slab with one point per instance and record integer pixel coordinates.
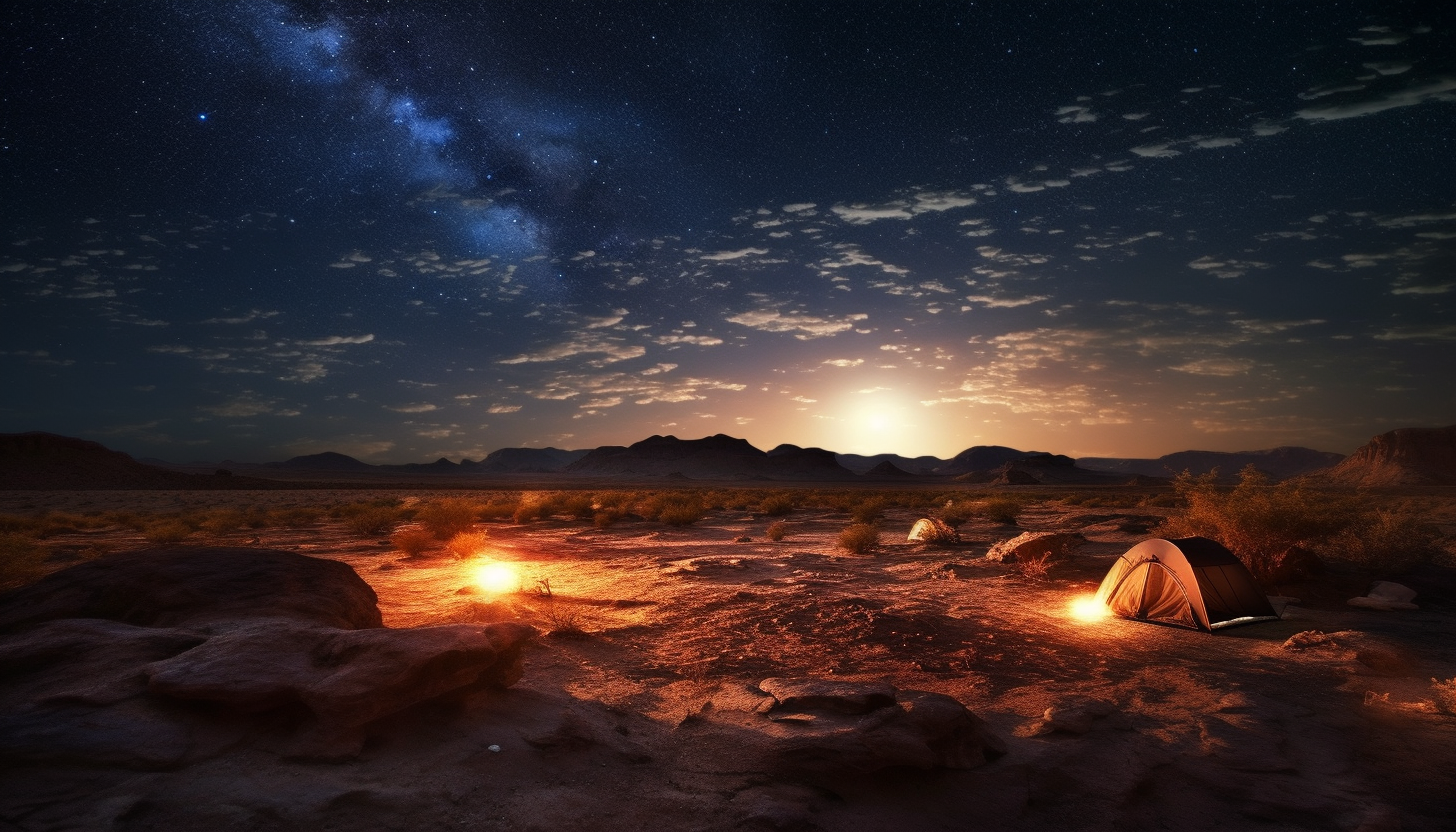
(1035, 545)
(157, 658)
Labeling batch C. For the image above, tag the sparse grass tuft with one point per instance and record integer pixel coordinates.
(859, 538)
(412, 541)
(1035, 567)
(563, 620)
(22, 560)
(776, 531)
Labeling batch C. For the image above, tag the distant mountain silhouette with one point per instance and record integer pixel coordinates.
(1407, 456)
(714, 457)
(46, 461)
(1279, 463)
(526, 460)
(326, 461)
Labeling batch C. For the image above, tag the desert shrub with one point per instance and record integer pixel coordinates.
(939, 533)
(956, 514)
(22, 560)
(869, 511)
(1002, 510)
(777, 504)
(293, 516)
(579, 505)
(446, 518)
(412, 541)
(563, 620)
(466, 545)
(1255, 520)
(222, 521)
(1444, 694)
(607, 517)
(527, 509)
(776, 531)
(859, 538)
(499, 506)
(16, 524)
(1165, 500)
(371, 521)
(167, 531)
(1390, 540)
(680, 510)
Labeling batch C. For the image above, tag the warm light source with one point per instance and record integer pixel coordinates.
(1087, 608)
(497, 578)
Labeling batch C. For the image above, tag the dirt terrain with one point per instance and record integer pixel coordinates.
(652, 627)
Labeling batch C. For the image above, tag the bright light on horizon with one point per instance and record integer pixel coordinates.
(497, 578)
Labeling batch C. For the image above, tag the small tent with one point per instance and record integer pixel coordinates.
(1190, 582)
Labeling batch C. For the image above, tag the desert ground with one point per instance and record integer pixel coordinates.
(648, 630)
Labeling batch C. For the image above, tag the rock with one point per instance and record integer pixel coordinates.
(115, 675)
(1055, 545)
(1074, 715)
(828, 728)
(933, 530)
(828, 695)
(196, 585)
(1408, 456)
(1386, 595)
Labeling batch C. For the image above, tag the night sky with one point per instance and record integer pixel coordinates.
(409, 230)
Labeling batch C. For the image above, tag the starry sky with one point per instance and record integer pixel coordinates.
(402, 231)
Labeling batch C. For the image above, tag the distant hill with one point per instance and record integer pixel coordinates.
(1407, 456)
(44, 461)
(525, 461)
(1279, 463)
(326, 461)
(714, 457)
(983, 458)
(914, 465)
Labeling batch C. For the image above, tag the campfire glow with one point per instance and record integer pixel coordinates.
(1087, 608)
(497, 578)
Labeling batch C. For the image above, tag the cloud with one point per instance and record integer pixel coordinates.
(338, 340)
(1075, 114)
(612, 350)
(1226, 268)
(734, 255)
(920, 202)
(1388, 67)
(1419, 333)
(1439, 90)
(1006, 302)
(804, 327)
(843, 362)
(862, 214)
(1157, 151)
(698, 340)
(421, 407)
(503, 408)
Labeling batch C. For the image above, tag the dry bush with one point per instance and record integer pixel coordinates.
(371, 521)
(777, 504)
(859, 538)
(22, 560)
(466, 545)
(579, 505)
(446, 518)
(528, 509)
(167, 531)
(1444, 694)
(1392, 541)
(869, 511)
(412, 541)
(499, 507)
(1255, 520)
(776, 531)
(1004, 510)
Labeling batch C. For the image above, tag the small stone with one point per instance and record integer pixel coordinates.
(494, 749)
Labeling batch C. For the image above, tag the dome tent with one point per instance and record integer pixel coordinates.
(1190, 582)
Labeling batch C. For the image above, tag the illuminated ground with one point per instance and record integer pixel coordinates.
(1206, 732)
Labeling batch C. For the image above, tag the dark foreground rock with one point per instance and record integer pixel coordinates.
(816, 728)
(158, 658)
(1032, 545)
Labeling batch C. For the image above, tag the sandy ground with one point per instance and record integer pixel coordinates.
(1227, 731)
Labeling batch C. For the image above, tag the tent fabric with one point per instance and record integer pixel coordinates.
(1189, 582)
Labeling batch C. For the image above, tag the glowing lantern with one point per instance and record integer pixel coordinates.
(1087, 608)
(498, 578)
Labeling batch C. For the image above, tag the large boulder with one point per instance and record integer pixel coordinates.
(1036, 545)
(195, 586)
(818, 728)
(193, 649)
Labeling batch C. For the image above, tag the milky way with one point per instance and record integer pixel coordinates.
(406, 231)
